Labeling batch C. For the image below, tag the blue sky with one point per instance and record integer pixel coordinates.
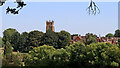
(67, 0)
(68, 16)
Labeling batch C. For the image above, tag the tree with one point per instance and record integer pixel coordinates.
(12, 61)
(64, 39)
(50, 38)
(7, 34)
(78, 55)
(100, 55)
(104, 55)
(56, 39)
(61, 58)
(40, 56)
(90, 38)
(47, 56)
(119, 42)
(34, 38)
(12, 36)
(117, 33)
(109, 35)
(23, 42)
(15, 40)
(8, 49)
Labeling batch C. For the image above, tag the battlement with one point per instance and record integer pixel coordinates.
(50, 22)
(50, 25)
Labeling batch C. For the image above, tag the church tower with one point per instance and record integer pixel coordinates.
(50, 25)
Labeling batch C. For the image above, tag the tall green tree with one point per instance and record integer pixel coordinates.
(7, 34)
(50, 38)
(8, 49)
(34, 38)
(15, 41)
(60, 58)
(56, 39)
(40, 56)
(90, 38)
(64, 39)
(78, 55)
(12, 36)
(109, 35)
(104, 55)
(23, 45)
(117, 33)
(119, 42)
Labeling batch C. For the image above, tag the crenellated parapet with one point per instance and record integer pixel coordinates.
(50, 25)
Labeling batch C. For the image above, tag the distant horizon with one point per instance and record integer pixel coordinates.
(63, 30)
(68, 16)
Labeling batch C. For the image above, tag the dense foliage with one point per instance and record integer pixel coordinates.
(8, 49)
(40, 56)
(12, 36)
(46, 56)
(64, 39)
(100, 55)
(50, 38)
(23, 47)
(26, 41)
(90, 38)
(109, 35)
(53, 50)
(117, 33)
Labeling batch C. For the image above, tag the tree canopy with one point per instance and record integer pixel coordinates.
(40, 56)
(109, 35)
(50, 38)
(100, 55)
(64, 39)
(117, 33)
(12, 36)
(23, 42)
(26, 41)
(90, 38)
(52, 49)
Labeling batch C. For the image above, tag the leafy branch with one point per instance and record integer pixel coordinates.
(92, 8)
(20, 5)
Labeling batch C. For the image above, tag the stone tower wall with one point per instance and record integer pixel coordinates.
(50, 25)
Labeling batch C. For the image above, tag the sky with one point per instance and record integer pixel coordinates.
(67, 0)
(69, 16)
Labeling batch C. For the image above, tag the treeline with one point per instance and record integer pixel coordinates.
(53, 50)
(26, 41)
